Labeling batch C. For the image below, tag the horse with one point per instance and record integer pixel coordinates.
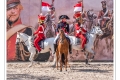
(49, 31)
(28, 41)
(91, 36)
(62, 50)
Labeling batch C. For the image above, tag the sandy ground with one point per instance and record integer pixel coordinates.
(43, 71)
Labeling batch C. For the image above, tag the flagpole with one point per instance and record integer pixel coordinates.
(82, 6)
(40, 6)
(82, 13)
(53, 2)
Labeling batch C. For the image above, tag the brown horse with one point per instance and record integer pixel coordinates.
(108, 35)
(62, 50)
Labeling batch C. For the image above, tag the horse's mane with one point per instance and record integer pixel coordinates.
(62, 34)
(24, 34)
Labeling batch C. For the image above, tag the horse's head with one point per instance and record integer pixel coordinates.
(61, 32)
(21, 37)
(18, 38)
(62, 35)
(98, 30)
(91, 15)
(94, 16)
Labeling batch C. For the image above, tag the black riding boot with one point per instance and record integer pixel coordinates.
(55, 46)
(70, 49)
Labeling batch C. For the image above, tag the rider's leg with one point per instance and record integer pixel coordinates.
(83, 41)
(36, 43)
(70, 44)
(55, 43)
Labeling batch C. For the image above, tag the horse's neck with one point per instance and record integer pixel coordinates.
(62, 37)
(92, 35)
(25, 39)
(49, 19)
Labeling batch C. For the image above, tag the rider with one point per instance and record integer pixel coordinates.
(65, 26)
(80, 33)
(40, 31)
(104, 15)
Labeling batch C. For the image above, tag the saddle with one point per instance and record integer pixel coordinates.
(77, 41)
(41, 43)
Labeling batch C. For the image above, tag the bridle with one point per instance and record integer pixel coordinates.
(22, 41)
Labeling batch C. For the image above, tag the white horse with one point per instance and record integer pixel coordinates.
(91, 36)
(48, 45)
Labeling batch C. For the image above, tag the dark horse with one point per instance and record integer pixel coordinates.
(62, 50)
(49, 31)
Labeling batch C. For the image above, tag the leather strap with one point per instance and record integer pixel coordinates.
(15, 29)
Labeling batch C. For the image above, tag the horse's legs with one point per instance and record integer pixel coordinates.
(86, 57)
(54, 60)
(31, 59)
(93, 54)
(57, 59)
(66, 60)
(60, 58)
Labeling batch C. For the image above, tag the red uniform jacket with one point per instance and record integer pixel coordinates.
(78, 32)
(40, 32)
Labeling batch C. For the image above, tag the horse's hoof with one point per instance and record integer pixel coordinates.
(88, 64)
(86, 61)
(90, 60)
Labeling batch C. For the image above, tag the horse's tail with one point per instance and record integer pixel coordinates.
(63, 58)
